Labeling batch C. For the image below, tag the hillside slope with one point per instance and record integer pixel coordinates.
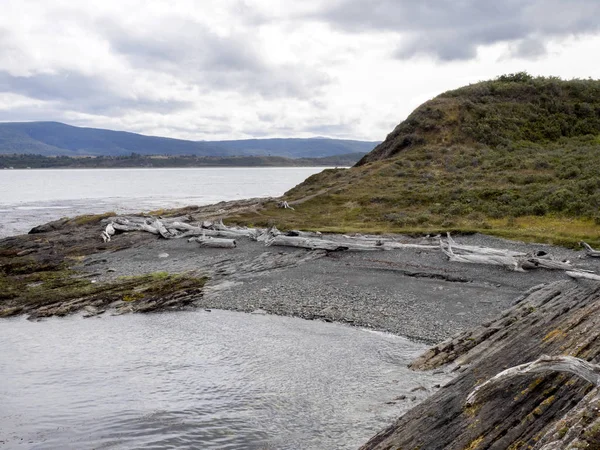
(501, 113)
(516, 157)
(59, 139)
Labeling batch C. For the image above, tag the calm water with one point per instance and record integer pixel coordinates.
(32, 197)
(206, 380)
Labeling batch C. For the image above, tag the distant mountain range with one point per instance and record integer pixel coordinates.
(59, 139)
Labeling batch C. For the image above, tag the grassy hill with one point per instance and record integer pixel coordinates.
(516, 156)
(59, 139)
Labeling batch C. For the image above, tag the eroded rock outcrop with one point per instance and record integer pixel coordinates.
(539, 411)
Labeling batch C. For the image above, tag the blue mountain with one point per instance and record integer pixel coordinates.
(56, 139)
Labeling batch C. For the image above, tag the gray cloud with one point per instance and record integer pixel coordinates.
(333, 129)
(79, 92)
(453, 30)
(183, 42)
(191, 51)
(529, 49)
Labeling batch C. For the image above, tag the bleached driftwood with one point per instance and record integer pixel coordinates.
(209, 233)
(585, 275)
(570, 364)
(510, 262)
(284, 205)
(266, 235)
(482, 250)
(323, 244)
(307, 234)
(182, 226)
(391, 245)
(360, 237)
(120, 226)
(308, 243)
(517, 261)
(545, 263)
(162, 230)
(386, 244)
(172, 228)
(108, 232)
(238, 231)
(214, 242)
(590, 251)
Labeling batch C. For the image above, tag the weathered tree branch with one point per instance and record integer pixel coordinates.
(284, 205)
(308, 243)
(482, 250)
(590, 251)
(585, 275)
(214, 242)
(570, 364)
(108, 232)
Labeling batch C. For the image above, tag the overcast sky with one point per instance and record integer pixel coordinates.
(229, 69)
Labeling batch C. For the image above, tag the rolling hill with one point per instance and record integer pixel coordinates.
(518, 156)
(59, 139)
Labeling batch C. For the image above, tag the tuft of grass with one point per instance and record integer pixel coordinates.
(92, 218)
(474, 443)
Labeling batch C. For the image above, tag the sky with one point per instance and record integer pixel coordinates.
(237, 69)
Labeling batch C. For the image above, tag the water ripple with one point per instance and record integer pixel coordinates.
(222, 380)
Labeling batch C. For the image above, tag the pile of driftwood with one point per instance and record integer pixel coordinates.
(217, 234)
(207, 234)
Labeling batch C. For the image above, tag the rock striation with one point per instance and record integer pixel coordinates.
(536, 411)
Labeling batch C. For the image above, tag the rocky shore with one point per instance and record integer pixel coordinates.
(411, 292)
(477, 314)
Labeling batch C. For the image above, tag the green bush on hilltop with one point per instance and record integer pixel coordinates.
(512, 109)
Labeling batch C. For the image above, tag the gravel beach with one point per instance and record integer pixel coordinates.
(410, 292)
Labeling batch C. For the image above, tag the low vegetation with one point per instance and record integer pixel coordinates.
(516, 157)
(26, 286)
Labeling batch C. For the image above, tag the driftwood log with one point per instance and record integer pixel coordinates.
(590, 251)
(516, 261)
(585, 275)
(307, 234)
(266, 235)
(308, 243)
(317, 243)
(108, 232)
(570, 364)
(508, 261)
(284, 205)
(482, 250)
(214, 242)
(217, 234)
(545, 263)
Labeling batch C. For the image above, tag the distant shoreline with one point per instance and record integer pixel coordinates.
(175, 167)
(26, 161)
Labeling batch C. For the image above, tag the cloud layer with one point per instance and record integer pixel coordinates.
(454, 30)
(233, 68)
